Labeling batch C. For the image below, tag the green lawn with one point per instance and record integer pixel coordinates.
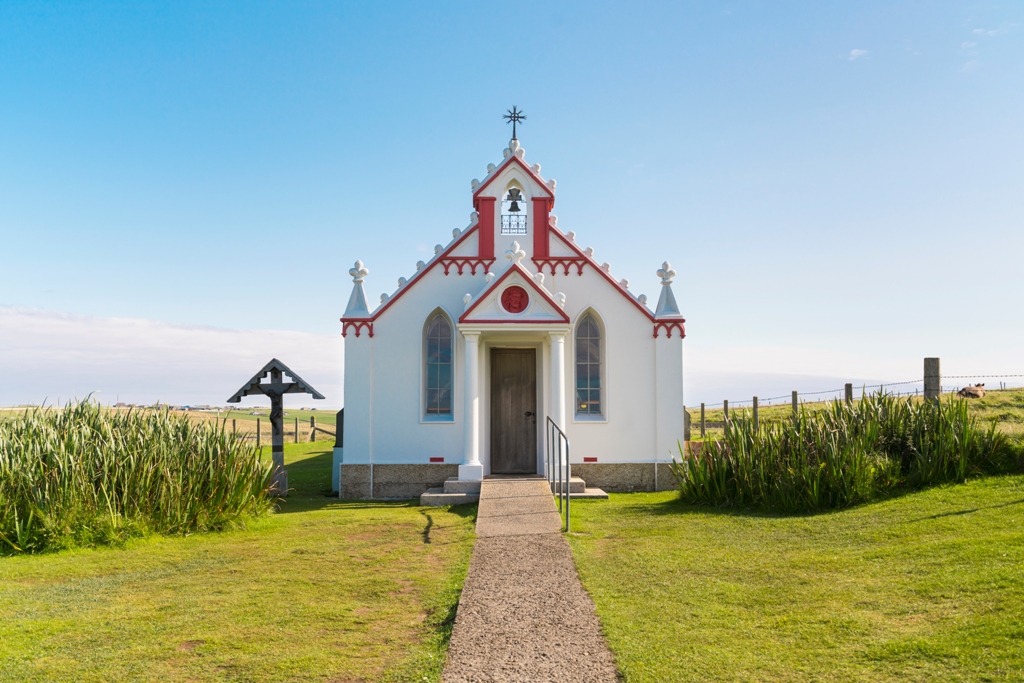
(924, 587)
(321, 591)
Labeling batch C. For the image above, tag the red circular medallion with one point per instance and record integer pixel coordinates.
(515, 299)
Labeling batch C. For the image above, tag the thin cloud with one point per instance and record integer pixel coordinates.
(967, 46)
(857, 54)
(50, 355)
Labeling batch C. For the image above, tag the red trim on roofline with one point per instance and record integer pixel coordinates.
(668, 326)
(609, 278)
(356, 325)
(416, 277)
(525, 167)
(533, 285)
(553, 262)
(471, 262)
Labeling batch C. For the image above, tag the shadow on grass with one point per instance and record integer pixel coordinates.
(677, 506)
(957, 513)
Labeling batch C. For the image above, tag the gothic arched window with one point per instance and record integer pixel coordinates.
(439, 344)
(588, 366)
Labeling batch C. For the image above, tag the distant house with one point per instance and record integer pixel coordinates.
(456, 373)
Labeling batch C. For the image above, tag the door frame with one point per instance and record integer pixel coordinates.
(542, 388)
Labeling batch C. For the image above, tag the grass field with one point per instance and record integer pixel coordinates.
(321, 591)
(1007, 406)
(928, 586)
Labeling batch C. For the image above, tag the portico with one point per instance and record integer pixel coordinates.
(491, 420)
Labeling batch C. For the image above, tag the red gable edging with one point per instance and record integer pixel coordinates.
(582, 255)
(443, 256)
(533, 285)
(527, 169)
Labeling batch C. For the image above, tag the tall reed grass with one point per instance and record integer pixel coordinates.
(844, 455)
(83, 475)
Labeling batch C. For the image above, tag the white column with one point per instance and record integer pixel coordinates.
(471, 469)
(558, 379)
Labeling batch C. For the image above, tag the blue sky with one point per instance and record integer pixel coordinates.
(839, 185)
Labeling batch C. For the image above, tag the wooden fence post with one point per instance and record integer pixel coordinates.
(725, 412)
(756, 421)
(796, 405)
(932, 379)
(234, 427)
(848, 390)
(703, 430)
(296, 430)
(257, 432)
(312, 428)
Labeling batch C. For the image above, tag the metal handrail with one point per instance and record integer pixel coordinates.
(555, 470)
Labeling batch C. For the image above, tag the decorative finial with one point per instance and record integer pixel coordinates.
(560, 299)
(438, 249)
(466, 298)
(384, 297)
(666, 273)
(515, 254)
(489, 277)
(642, 299)
(539, 278)
(420, 265)
(514, 116)
(625, 283)
(359, 272)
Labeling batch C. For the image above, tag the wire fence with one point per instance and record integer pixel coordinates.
(910, 387)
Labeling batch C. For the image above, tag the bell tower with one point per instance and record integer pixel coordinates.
(513, 201)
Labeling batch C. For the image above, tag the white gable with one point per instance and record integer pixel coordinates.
(492, 304)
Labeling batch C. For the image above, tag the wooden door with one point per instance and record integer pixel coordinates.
(513, 411)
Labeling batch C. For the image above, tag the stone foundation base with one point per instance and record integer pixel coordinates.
(625, 477)
(392, 481)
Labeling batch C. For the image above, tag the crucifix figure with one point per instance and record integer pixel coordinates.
(514, 116)
(275, 390)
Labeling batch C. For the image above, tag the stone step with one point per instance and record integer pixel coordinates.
(589, 493)
(437, 496)
(453, 485)
(576, 485)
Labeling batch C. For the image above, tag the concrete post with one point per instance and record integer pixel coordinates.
(703, 426)
(932, 379)
(471, 469)
(848, 390)
(757, 422)
(796, 405)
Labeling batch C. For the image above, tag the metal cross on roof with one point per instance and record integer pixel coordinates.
(514, 116)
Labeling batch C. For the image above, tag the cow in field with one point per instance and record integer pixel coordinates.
(977, 391)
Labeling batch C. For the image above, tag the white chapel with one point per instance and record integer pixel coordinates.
(454, 375)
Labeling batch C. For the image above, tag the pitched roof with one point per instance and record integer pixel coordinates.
(514, 158)
(526, 279)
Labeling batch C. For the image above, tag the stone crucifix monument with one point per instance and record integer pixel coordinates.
(276, 389)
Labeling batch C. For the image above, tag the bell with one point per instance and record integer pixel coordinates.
(514, 208)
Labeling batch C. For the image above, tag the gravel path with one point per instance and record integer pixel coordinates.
(524, 615)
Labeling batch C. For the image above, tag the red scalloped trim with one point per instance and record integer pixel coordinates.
(357, 325)
(462, 262)
(566, 262)
(668, 326)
